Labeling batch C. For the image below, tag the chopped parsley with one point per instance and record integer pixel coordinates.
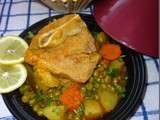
(40, 96)
(114, 72)
(30, 35)
(80, 111)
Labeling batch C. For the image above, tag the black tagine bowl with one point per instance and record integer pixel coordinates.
(126, 108)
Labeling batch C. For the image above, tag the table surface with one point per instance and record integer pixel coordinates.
(17, 15)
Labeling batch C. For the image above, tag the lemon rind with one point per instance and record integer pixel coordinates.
(19, 60)
(20, 81)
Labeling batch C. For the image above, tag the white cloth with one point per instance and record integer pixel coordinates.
(17, 15)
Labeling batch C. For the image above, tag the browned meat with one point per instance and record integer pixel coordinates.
(75, 57)
(77, 67)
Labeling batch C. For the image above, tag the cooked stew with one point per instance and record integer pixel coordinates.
(73, 74)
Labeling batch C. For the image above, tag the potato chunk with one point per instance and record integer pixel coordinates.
(44, 79)
(93, 109)
(108, 99)
(54, 112)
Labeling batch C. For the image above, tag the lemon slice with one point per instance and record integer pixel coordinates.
(12, 49)
(12, 77)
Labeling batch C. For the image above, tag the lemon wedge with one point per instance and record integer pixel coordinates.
(12, 50)
(12, 77)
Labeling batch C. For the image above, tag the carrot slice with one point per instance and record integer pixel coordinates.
(111, 51)
(72, 97)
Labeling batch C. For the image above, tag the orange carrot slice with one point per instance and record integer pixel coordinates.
(111, 51)
(72, 97)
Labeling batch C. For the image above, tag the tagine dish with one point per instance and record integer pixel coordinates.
(73, 74)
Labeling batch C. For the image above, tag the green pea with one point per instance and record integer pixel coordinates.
(99, 65)
(96, 97)
(115, 81)
(89, 86)
(28, 94)
(30, 35)
(126, 78)
(24, 88)
(97, 85)
(101, 76)
(94, 89)
(98, 80)
(25, 99)
(95, 74)
(102, 82)
(40, 112)
(104, 86)
(83, 89)
(107, 79)
(36, 107)
(57, 93)
(111, 87)
(31, 102)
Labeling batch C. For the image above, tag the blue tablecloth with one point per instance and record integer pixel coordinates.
(17, 15)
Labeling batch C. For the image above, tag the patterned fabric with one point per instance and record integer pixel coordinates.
(17, 15)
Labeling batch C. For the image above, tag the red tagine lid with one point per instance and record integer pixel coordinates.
(133, 23)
